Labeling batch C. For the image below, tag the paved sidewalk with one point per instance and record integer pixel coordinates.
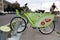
(17, 37)
(34, 34)
(30, 33)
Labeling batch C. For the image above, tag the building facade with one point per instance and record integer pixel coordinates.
(3, 4)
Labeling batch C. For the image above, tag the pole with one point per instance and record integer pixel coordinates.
(2, 6)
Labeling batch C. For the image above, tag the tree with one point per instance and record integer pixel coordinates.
(12, 7)
(9, 8)
(15, 6)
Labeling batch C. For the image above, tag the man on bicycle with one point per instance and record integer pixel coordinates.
(52, 8)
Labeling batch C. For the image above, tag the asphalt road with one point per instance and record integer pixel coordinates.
(34, 34)
(5, 19)
(30, 33)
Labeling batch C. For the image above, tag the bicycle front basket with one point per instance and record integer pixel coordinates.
(40, 20)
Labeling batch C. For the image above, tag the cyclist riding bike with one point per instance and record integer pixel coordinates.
(52, 8)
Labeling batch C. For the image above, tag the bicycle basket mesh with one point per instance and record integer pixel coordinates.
(40, 20)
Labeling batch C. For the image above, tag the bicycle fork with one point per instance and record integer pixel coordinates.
(14, 32)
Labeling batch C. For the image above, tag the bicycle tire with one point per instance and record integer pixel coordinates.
(26, 19)
(13, 27)
(49, 32)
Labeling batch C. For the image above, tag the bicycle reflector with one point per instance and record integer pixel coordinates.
(47, 20)
(42, 23)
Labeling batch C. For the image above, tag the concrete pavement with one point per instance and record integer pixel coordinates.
(5, 19)
(34, 34)
(30, 33)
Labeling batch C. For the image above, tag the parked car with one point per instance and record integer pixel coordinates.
(2, 13)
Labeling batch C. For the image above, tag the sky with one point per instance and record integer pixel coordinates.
(38, 4)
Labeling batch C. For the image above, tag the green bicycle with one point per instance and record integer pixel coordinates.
(44, 22)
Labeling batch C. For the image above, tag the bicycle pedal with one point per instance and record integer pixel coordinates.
(33, 27)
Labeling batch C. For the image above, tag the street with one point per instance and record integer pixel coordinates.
(5, 19)
(30, 33)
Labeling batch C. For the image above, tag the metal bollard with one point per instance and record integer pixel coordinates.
(3, 35)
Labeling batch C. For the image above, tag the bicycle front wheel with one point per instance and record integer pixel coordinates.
(26, 19)
(47, 30)
(18, 24)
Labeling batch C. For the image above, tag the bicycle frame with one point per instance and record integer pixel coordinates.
(38, 20)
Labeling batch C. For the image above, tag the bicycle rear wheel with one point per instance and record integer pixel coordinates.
(47, 30)
(18, 24)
